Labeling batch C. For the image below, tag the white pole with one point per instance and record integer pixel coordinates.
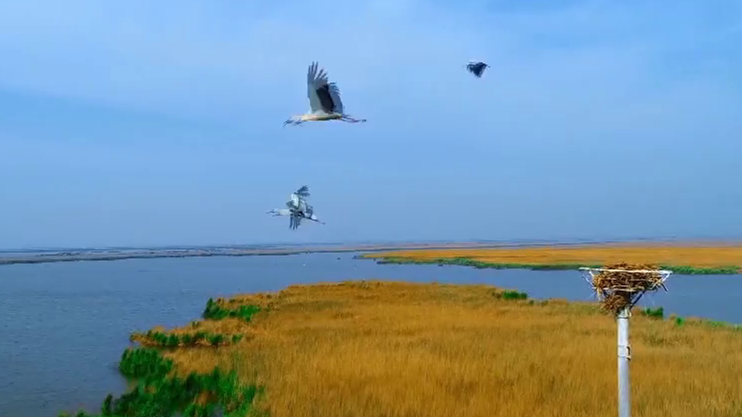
(624, 356)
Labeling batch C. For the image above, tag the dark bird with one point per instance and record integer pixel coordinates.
(477, 68)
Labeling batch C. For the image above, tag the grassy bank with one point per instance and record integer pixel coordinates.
(164, 390)
(398, 349)
(159, 392)
(679, 259)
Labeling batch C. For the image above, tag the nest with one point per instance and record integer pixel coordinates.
(621, 288)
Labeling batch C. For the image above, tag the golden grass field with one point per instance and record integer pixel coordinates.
(431, 350)
(695, 255)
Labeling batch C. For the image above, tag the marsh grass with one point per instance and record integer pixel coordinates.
(395, 349)
(217, 311)
(685, 260)
(174, 340)
(144, 363)
(160, 394)
(161, 390)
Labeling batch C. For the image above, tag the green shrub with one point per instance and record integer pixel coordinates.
(512, 295)
(657, 313)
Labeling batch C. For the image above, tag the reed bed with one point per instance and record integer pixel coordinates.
(162, 392)
(174, 340)
(396, 349)
(680, 259)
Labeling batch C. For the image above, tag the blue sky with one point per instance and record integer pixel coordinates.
(152, 123)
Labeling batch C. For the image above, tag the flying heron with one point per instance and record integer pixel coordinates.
(324, 100)
(301, 208)
(297, 209)
(477, 68)
(295, 216)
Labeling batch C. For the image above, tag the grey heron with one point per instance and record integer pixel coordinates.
(324, 100)
(302, 210)
(297, 209)
(477, 68)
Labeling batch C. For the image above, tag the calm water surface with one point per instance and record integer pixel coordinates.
(65, 325)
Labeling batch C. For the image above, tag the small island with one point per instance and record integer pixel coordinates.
(373, 348)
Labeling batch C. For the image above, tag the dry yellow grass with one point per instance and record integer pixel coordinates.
(696, 256)
(401, 350)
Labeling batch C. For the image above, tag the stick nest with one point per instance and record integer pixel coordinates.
(618, 289)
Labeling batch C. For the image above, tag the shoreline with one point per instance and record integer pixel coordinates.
(87, 256)
(688, 259)
(323, 328)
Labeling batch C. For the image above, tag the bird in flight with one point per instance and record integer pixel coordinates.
(477, 68)
(297, 209)
(295, 215)
(324, 100)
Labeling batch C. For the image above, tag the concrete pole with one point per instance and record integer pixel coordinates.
(624, 356)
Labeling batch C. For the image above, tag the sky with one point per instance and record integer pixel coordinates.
(141, 123)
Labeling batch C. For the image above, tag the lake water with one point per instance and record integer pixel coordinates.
(65, 325)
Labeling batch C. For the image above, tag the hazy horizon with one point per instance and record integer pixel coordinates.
(159, 123)
(391, 242)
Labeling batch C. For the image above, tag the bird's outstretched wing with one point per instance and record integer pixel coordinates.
(334, 94)
(316, 79)
(303, 191)
(320, 91)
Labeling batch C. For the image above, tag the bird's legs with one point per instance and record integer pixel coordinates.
(348, 119)
(292, 122)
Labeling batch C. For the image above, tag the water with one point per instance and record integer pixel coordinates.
(65, 325)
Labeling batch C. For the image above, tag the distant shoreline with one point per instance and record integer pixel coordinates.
(92, 255)
(82, 256)
(685, 258)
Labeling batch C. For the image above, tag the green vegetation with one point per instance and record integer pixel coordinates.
(215, 311)
(682, 321)
(144, 363)
(187, 339)
(156, 394)
(159, 392)
(511, 295)
(678, 269)
(693, 270)
(657, 313)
